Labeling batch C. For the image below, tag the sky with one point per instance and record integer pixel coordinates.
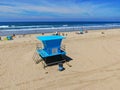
(59, 10)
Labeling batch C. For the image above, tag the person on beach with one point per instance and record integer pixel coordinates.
(81, 30)
(56, 33)
(13, 36)
(42, 33)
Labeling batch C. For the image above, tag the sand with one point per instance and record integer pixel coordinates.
(95, 63)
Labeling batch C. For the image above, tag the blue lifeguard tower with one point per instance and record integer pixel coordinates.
(51, 47)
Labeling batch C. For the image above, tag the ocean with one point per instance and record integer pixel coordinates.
(9, 28)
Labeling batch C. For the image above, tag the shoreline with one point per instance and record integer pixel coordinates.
(25, 32)
(64, 31)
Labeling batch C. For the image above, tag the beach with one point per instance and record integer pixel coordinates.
(95, 61)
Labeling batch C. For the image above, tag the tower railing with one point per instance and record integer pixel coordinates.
(38, 46)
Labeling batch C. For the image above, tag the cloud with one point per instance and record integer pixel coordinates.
(55, 9)
(21, 7)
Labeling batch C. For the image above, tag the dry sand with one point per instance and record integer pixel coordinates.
(95, 63)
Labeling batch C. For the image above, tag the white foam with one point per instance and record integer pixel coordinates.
(4, 26)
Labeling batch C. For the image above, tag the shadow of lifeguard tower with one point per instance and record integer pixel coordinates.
(52, 51)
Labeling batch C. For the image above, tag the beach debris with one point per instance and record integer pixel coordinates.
(46, 72)
(102, 33)
(19, 36)
(86, 31)
(5, 38)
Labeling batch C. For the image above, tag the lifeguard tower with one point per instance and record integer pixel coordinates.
(51, 48)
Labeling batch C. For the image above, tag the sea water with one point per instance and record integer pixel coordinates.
(9, 28)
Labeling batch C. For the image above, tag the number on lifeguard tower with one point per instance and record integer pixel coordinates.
(54, 51)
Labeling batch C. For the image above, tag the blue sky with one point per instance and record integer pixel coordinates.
(59, 10)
